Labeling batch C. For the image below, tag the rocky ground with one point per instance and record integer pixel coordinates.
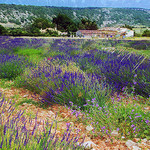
(64, 116)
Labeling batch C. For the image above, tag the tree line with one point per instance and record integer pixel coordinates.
(62, 22)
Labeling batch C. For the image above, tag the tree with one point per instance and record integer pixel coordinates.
(42, 23)
(3, 31)
(64, 23)
(127, 26)
(146, 33)
(87, 24)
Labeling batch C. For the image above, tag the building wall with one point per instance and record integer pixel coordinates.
(130, 33)
(96, 35)
(78, 34)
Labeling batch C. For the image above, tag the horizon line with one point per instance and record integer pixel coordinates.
(76, 6)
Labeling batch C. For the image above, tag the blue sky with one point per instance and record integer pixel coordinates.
(83, 3)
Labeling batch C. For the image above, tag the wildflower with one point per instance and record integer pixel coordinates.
(135, 75)
(2, 142)
(123, 88)
(100, 108)
(85, 104)
(138, 116)
(93, 99)
(103, 127)
(118, 129)
(134, 82)
(147, 121)
(67, 124)
(77, 114)
(71, 103)
(130, 117)
(49, 58)
(97, 105)
(132, 125)
(134, 128)
(73, 111)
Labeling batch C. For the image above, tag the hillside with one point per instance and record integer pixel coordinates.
(22, 14)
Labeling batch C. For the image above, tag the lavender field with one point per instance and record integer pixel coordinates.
(107, 81)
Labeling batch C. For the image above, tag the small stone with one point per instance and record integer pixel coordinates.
(25, 96)
(136, 148)
(143, 143)
(89, 128)
(114, 133)
(63, 115)
(24, 104)
(102, 143)
(148, 142)
(144, 140)
(130, 143)
(146, 108)
(51, 114)
(123, 137)
(136, 139)
(88, 144)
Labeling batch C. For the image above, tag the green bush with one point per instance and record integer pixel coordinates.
(11, 66)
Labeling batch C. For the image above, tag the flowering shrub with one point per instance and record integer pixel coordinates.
(118, 68)
(14, 133)
(61, 84)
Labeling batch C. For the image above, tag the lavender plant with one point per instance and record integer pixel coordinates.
(61, 84)
(118, 68)
(11, 66)
(15, 134)
(10, 45)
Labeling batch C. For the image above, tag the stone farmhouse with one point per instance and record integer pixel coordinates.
(107, 32)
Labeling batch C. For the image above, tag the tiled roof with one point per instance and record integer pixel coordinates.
(96, 32)
(90, 32)
(109, 29)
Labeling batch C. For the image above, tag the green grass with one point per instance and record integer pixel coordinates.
(145, 53)
(5, 83)
(34, 55)
(137, 38)
(140, 30)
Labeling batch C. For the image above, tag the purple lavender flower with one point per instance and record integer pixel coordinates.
(138, 116)
(118, 129)
(147, 121)
(103, 127)
(1, 145)
(134, 82)
(130, 117)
